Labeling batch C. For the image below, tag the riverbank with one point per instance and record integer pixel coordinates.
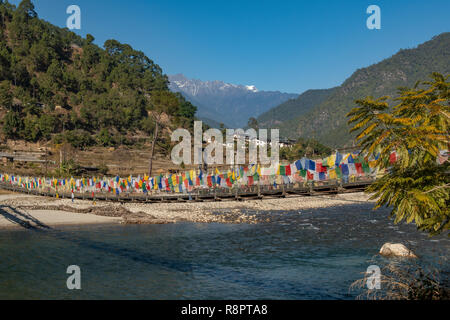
(18, 210)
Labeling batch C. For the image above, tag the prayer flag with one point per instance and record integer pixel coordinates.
(287, 170)
(359, 169)
(344, 168)
(332, 174)
(312, 165)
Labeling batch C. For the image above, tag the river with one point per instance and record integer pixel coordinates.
(307, 254)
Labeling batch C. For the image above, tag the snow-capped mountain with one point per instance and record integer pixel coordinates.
(227, 103)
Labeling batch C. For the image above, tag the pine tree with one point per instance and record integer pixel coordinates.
(5, 95)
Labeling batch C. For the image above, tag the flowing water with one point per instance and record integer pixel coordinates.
(307, 254)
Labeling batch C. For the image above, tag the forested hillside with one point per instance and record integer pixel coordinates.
(293, 108)
(327, 121)
(55, 85)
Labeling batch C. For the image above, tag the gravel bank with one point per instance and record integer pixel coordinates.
(15, 208)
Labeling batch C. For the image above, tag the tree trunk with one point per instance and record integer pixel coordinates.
(155, 136)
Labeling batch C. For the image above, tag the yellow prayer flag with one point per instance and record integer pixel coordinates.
(333, 174)
(174, 180)
(331, 160)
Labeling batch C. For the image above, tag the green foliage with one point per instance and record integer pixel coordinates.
(79, 139)
(69, 169)
(294, 108)
(70, 88)
(105, 139)
(305, 148)
(416, 186)
(5, 95)
(12, 125)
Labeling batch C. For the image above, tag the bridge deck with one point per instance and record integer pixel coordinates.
(213, 194)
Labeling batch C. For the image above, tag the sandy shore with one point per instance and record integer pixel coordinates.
(18, 210)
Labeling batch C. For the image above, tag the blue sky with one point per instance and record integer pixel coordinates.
(291, 46)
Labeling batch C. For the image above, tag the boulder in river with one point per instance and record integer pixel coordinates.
(396, 250)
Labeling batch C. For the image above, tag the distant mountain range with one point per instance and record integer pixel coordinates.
(230, 104)
(321, 114)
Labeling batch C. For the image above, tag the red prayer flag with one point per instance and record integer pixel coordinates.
(359, 168)
(319, 167)
(288, 170)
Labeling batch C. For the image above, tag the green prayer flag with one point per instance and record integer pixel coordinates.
(365, 167)
(338, 172)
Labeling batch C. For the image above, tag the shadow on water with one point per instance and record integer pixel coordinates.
(214, 272)
(26, 221)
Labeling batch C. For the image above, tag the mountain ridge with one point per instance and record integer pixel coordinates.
(304, 103)
(327, 122)
(226, 103)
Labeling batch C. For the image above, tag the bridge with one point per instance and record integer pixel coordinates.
(255, 192)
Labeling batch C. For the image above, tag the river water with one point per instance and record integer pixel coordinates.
(307, 254)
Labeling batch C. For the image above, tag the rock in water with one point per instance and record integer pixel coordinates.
(397, 250)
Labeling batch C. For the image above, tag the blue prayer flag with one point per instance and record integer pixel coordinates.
(312, 165)
(344, 168)
(338, 158)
